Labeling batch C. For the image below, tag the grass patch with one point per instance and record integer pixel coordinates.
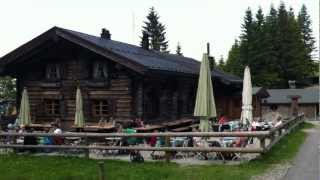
(13, 167)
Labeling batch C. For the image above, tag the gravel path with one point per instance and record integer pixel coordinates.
(306, 164)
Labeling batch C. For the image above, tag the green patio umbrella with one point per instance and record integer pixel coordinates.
(24, 118)
(79, 117)
(205, 106)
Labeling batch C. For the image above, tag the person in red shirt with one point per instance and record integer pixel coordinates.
(223, 119)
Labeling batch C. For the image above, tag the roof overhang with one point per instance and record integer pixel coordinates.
(23, 52)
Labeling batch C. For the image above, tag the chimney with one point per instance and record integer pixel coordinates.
(145, 44)
(105, 34)
(208, 49)
(292, 84)
(294, 104)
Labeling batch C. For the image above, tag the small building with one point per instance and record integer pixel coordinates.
(117, 80)
(308, 101)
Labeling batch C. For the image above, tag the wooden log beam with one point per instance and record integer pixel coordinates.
(139, 148)
(171, 134)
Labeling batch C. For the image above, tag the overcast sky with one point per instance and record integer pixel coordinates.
(190, 22)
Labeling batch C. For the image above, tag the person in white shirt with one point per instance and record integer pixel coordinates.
(57, 130)
(273, 116)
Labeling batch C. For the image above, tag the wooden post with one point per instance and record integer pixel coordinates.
(272, 137)
(263, 143)
(167, 153)
(87, 151)
(101, 170)
(280, 131)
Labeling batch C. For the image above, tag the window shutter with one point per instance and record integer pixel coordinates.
(95, 70)
(105, 70)
(63, 112)
(58, 75)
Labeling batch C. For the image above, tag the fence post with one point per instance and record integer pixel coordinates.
(280, 131)
(272, 136)
(263, 143)
(167, 153)
(87, 151)
(101, 170)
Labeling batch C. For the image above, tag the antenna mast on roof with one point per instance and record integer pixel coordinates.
(208, 49)
(133, 27)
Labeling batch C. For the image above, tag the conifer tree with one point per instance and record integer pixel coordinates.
(277, 47)
(306, 31)
(221, 63)
(178, 50)
(233, 62)
(156, 31)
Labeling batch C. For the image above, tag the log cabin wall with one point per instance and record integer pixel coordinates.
(75, 68)
(168, 98)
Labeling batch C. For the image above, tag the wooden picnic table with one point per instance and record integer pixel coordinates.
(95, 127)
(177, 122)
(40, 126)
(149, 128)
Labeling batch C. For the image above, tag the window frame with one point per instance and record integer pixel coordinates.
(52, 107)
(101, 107)
(53, 75)
(100, 71)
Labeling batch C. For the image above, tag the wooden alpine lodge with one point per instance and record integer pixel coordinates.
(117, 80)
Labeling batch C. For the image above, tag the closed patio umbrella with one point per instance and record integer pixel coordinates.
(79, 117)
(246, 113)
(24, 118)
(205, 106)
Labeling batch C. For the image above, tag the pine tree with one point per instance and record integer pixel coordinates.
(277, 47)
(246, 39)
(156, 31)
(306, 31)
(233, 62)
(221, 63)
(291, 54)
(178, 50)
(212, 63)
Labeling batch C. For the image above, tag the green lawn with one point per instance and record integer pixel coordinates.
(59, 168)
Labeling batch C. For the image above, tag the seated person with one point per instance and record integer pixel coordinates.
(223, 120)
(278, 123)
(273, 116)
(255, 125)
(153, 139)
(197, 141)
(21, 130)
(138, 122)
(47, 140)
(57, 140)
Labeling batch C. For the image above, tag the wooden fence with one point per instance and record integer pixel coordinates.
(274, 135)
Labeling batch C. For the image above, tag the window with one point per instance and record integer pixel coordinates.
(53, 71)
(52, 107)
(100, 108)
(100, 70)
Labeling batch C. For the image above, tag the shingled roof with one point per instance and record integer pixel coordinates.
(282, 96)
(148, 60)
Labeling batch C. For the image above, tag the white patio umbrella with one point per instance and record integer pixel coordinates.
(246, 113)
